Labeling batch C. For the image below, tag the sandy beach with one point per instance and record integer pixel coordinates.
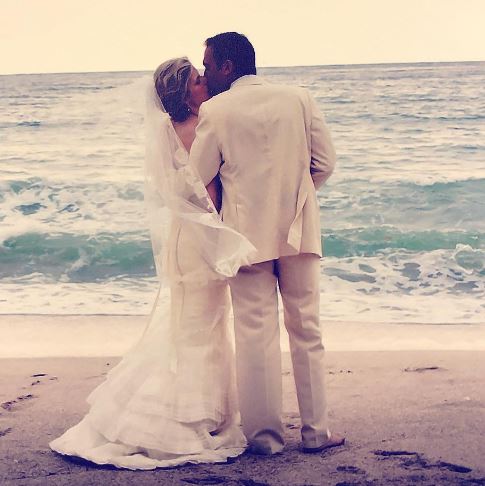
(410, 417)
(412, 406)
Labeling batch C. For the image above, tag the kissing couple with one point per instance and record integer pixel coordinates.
(233, 163)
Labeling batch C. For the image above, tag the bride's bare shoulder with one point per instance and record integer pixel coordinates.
(186, 131)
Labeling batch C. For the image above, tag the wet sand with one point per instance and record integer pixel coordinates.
(410, 417)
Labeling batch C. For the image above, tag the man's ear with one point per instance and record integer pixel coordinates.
(227, 67)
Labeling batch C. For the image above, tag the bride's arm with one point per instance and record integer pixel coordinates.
(215, 192)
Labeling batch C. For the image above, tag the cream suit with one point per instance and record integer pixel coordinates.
(272, 150)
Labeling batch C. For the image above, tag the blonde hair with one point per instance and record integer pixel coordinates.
(171, 82)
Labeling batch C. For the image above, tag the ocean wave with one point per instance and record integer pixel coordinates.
(71, 207)
(443, 286)
(70, 88)
(102, 256)
(459, 271)
(454, 207)
(44, 191)
(433, 117)
(76, 258)
(468, 182)
(372, 240)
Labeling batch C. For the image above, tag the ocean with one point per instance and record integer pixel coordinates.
(403, 216)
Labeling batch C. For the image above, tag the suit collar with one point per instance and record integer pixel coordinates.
(247, 80)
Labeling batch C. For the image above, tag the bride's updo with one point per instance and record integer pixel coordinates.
(171, 81)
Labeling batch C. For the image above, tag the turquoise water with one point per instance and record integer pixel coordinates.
(403, 223)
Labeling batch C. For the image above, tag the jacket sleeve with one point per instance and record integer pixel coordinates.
(205, 155)
(323, 154)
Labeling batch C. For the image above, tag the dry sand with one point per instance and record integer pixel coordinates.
(410, 417)
(41, 335)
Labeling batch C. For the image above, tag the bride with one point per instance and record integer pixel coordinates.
(172, 399)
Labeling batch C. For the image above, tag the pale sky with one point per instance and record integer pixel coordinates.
(115, 35)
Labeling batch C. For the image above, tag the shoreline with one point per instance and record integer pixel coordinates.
(111, 314)
(409, 417)
(78, 335)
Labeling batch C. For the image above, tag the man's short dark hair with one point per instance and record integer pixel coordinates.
(236, 48)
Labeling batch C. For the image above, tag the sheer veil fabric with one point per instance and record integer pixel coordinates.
(173, 189)
(172, 398)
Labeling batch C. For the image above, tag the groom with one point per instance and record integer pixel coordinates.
(271, 150)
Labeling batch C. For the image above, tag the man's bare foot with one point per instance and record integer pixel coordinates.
(335, 440)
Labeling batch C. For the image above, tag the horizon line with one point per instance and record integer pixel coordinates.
(258, 67)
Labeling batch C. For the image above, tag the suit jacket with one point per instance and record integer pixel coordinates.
(272, 150)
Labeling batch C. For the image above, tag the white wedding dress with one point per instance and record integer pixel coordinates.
(172, 399)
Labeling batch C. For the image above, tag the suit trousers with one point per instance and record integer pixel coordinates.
(258, 353)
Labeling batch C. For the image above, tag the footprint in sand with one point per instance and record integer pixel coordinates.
(40, 379)
(250, 482)
(206, 480)
(465, 403)
(350, 469)
(12, 404)
(5, 431)
(423, 369)
(414, 459)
